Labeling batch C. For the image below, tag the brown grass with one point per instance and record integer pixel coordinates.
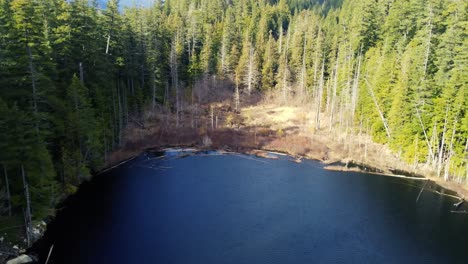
(263, 125)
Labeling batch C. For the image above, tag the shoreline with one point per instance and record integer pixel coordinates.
(344, 164)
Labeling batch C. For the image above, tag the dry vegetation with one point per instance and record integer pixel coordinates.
(263, 123)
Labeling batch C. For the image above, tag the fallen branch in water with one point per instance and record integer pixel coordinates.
(400, 176)
(50, 252)
(153, 168)
(459, 212)
(249, 158)
(120, 163)
(422, 189)
(459, 203)
(449, 195)
(460, 200)
(356, 169)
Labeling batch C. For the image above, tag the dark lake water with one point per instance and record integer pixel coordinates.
(243, 209)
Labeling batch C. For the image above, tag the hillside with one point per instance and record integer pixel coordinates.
(82, 87)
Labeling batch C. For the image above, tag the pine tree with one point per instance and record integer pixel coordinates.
(270, 66)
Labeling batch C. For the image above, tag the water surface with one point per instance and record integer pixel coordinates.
(211, 208)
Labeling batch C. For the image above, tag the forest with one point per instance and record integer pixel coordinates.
(73, 75)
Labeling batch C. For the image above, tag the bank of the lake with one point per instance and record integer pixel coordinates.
(338, 152)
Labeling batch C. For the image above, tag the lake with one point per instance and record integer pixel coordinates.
(185, 207)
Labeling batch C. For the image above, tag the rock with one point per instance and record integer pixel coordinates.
(15, 247)
(36, 231)
(20, 260)
(1, 239)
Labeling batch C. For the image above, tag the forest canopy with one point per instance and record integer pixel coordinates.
(72, 75)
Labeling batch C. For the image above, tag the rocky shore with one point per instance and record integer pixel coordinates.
(15, 252)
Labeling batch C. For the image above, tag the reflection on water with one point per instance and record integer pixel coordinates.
(189, 207)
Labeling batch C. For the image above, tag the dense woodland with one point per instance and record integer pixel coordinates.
(72, 75)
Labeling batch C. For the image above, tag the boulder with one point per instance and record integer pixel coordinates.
(20, 260)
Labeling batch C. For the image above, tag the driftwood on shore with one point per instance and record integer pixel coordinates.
(355, 169)
(336, 165)
(402, 176)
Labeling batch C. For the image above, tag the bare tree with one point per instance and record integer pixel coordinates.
(319, 97)
(334, 90)
(382, 117)
(251, 71)
(173, 61)
(237, 96)
(355, 87)
(303, 75)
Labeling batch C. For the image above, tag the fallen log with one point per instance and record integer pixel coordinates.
(50, 253)
(458, 204)
(459, 212)
(449, 195)
(422, 189)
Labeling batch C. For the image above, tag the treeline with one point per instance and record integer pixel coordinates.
(72, 76)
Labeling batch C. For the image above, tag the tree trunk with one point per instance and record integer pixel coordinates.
(431, 152)
(450, 155)
(120, 112)
(442, 144)
(237, 96)
(27, 211)
(174, 75)
(33, 79)
(81, 73)
(153, 88)
(286, 70)
(212, 116)
(355, 89)
(250, 71)
(223, 57)
(108, 42)
(303, 72)
(382, 117)
(115, 121)
(333, 95)
(166, 94)
(429, 38)
(319, 97)
(7, 186)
